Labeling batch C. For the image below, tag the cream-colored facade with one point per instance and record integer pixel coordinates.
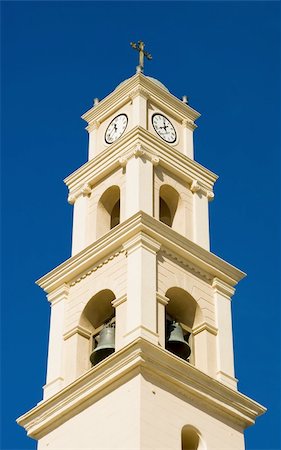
(140, 251)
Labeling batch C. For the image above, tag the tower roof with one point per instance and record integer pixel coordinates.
(150, 78)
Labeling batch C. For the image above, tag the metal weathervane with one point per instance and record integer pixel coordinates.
(142, 53)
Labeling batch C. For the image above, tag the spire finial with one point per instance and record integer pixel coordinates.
(142, 53)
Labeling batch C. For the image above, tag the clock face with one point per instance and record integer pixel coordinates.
(116, 128)
(164, 128)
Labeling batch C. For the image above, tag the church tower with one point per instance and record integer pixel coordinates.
(140, 348)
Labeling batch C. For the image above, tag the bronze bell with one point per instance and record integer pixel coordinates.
(176, 343)
(106, 345)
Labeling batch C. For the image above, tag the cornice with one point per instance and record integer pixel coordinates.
(97, 266)
(59, 294)
(156, 364)
(223, 288)
(112, 242)
(141, 240)
(77, 330)
(139, 142)
(139, 84)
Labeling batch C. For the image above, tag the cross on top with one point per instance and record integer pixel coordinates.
(142, 53)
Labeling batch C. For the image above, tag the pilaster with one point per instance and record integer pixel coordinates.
(141, 311)
(139, 183)
(187, 134)
(80, 203)
(201, 197)
(92, 129)
(54, 381)
(225, 361)
(139, 98)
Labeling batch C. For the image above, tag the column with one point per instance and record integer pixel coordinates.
(54, 381)
(225, 361)
(141, 310)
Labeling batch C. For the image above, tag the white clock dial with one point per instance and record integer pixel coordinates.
(116, 128)
(164, 128)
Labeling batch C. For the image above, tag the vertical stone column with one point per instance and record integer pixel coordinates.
(225, 361)
(141, 310)
(80, 215)
(54, 381)
(201, 232)
(92, 130)
(139, 183)
(187, 133)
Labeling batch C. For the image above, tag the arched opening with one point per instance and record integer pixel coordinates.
(115, 215)
(108, 210)
(168, 204)
(99, 319)
(182, 314)
(190, 439)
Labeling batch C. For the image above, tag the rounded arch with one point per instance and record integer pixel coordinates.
(168, 204)
(98, 310)
(183, 307)
(191, 439)
(108, 210)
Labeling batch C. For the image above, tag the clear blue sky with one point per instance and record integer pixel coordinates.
(58, 56)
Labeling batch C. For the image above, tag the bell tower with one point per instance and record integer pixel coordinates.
(140, 347)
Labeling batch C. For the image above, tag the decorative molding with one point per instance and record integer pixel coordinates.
(205, 327)
(138, 151)
(120, 151)
(141, 240)
(71, 199)
(223, 288)
(155, 160)
(96, 267)
(118, 301)
(180, 246)
(139, 91)
(93, 126)
(140, 357)
(197, 187)
(162, 299)
(194, 269)
(127, 89)
(61, 293)
(187, 123)
(77, 330)
(123, 161)
(86, 189)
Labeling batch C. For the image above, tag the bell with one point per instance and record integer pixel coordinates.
(176, 343)
(106, 345)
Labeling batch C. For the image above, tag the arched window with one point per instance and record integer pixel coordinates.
(98, 317)
(182, 314)
(108, 210)
(168, 204)
(191, 439)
